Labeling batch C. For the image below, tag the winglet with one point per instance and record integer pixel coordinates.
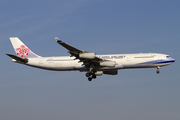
(58, 40)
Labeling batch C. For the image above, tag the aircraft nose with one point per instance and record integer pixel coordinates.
(172, 60)
(167, 60)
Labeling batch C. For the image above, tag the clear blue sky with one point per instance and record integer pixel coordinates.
(100, 26)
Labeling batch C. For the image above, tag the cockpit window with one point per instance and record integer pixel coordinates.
(167, 56)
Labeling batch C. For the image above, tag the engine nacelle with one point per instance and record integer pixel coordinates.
(107, 63)
(87, 55)
(98, 73)
(112, 72)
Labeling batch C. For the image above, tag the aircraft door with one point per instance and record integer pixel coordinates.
(128, 58)
(40, 61)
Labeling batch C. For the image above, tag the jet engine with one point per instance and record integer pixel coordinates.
(87, 55)
(107, 63)
(111, 72)
(98, 73)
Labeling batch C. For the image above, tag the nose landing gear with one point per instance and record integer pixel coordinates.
(158, 70)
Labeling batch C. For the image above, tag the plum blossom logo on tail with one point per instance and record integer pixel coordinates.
(22, 51)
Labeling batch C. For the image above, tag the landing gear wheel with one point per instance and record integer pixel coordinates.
(87, 74)
(90, 79)
(94, 76)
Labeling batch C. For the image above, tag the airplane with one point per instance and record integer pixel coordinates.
(83, 61)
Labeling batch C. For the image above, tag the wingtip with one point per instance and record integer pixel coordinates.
(57, 39)
(7, 54)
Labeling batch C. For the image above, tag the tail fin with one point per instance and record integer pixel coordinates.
(21, 49)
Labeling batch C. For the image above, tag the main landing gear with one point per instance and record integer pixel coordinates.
(158, 70)
(90, 76)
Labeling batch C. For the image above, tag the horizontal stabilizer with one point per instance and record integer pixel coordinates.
(23, 60)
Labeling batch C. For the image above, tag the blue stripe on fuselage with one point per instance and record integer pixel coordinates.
(167, 60)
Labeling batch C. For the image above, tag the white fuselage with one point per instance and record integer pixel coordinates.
(123, 61)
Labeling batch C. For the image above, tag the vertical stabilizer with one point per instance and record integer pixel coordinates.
(21, 49)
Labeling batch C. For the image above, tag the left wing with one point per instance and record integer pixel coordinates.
(70, 48)
(88, 58)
